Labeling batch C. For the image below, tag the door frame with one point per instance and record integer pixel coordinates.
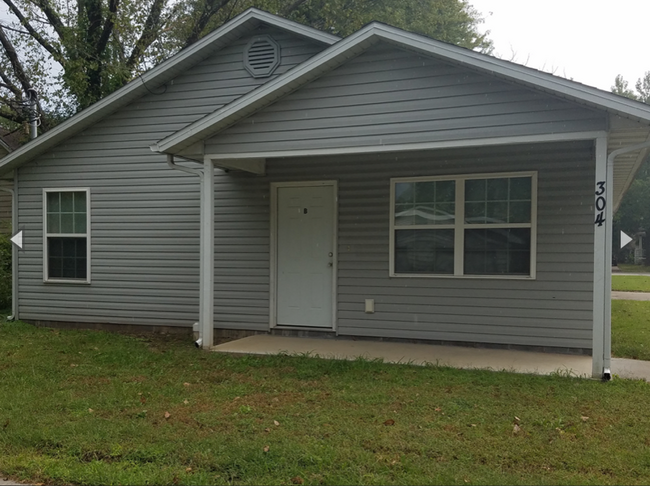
(273, 288)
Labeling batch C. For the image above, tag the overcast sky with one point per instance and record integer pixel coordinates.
(589, 41)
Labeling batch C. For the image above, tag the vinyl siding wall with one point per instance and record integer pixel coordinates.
(144, 216)
(555, 310)
(391, 96)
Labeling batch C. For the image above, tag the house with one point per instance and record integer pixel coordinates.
(273, 178)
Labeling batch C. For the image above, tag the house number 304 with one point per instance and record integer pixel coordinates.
(601, 203)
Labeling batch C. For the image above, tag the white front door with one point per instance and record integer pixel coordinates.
(305, 255)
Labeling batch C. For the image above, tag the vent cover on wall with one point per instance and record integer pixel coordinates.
(261, 56)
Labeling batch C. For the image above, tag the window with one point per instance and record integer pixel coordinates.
(67, 235)
(473, 225)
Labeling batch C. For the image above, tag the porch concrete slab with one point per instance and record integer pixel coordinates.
(417, 354)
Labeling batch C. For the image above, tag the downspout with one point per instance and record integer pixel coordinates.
(607, 328)
(206, 260)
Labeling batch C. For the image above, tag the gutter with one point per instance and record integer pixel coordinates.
(206, 259)
(607, 328)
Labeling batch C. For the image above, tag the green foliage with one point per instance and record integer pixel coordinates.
(5, 271)
(621, 87)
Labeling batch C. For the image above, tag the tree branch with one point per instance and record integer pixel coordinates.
(52, 17)
(56, 54)
(211, 7)
(10, 84)
(109, 23)
(11, 115)
(151, 26)
(15, 62)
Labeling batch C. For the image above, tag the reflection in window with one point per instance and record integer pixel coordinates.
(66, 234)
(486, 229)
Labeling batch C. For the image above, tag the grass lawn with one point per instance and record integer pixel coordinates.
(631, 268)
(631, 283)
(89, 407)
(631, 329)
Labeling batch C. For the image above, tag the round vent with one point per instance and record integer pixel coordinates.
(261, 56)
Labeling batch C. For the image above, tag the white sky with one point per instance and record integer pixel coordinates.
(589, 41)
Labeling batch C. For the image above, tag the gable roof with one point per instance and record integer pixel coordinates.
(158, 76)
(375, 32)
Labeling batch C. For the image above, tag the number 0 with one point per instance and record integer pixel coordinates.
(600, 203)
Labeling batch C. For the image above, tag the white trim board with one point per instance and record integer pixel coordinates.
(409, 147)
(46, 234)
(459, 226)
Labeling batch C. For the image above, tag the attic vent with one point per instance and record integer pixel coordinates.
(261, 56)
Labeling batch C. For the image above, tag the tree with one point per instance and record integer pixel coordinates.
(76, 52)
(642, 86)
(621, 87)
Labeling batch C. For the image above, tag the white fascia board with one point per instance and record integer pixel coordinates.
(157, 76)
(375, 32)
(516, 72)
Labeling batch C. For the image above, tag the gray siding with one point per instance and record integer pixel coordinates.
(392, 96)
(144, 216)
(553, 310)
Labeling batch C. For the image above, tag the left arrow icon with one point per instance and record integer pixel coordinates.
(17, 239)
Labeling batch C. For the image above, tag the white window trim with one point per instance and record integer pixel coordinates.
(46, 278)
(459, 226)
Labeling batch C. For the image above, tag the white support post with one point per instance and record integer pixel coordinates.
(609, 236)
(206, 270)
(603, 202)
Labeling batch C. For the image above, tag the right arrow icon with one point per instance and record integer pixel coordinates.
(625, 239)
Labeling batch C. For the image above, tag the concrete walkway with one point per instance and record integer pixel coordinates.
(618, 295)
(9, 482)
(422, 354)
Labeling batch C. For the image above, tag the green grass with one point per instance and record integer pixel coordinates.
(87, 407)
(631, 329)
(631, 283)
(631, 268)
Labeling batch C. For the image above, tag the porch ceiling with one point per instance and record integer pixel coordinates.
(623, 134)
